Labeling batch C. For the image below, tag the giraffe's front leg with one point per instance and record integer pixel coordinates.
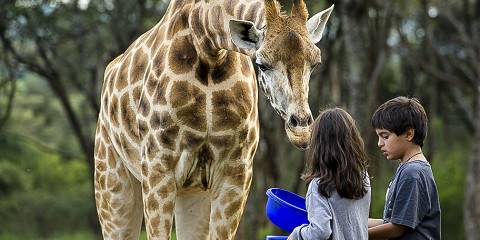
(158, 191)
(228, 200)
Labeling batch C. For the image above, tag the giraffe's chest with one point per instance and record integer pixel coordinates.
(213, 99)
(213, 110)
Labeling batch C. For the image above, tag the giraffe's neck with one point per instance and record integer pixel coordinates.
(209, 24)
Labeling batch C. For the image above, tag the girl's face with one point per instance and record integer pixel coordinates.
(392, 146)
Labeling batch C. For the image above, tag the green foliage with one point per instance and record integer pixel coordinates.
(449, 168)
(264, 231)
(41, 195)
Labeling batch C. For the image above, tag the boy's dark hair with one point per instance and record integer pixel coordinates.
(400, 114)
(337, 156)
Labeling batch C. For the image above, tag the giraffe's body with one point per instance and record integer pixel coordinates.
(178, 127)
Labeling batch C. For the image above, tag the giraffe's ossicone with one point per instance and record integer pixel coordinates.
(178, 126)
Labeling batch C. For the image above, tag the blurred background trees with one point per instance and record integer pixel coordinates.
(52, 58)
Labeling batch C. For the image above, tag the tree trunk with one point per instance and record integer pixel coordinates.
(86, 144)
(472, 189)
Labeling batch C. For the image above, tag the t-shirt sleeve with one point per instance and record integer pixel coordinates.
(319, 216)
(408, 207)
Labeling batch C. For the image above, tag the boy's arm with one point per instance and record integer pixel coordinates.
(373, 222)
(387, 230)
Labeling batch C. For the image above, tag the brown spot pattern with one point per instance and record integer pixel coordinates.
(223, 116)
(217, 14)
(225, 70)
(194, 115)
(241, 93)
(152, 37)
(136, 93)
(100, 166)
(110, 80)
(229, 196)
(168, 137)
(233, 207)
(152, 147)
(236, 154)
(247, 71)
(183, 92)
(158, 64)
(122, 77)
(231, 106)
(182, 55)
(160, 119)
(168, 207)
(152, 203)
(144, 107)
(230, 7)
(201, 72)
(178, 23)
(222, 141)
(159, 96)
(142, 127)
(113, 110)
(195, 23)
(217, 215)
(128, 117)
(252, 12)
(240, 10)
(145, 169)
(222, 232)
(242, 134)
(139, 66)
(191, 140)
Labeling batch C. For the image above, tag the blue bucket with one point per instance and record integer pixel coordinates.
(285, 209)
(269, 237)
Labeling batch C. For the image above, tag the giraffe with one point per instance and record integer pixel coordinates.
(179, 126)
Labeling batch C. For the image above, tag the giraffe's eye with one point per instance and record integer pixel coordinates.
(263, 67)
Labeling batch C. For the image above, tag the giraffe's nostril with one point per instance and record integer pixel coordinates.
(293, 122)
(296, 121)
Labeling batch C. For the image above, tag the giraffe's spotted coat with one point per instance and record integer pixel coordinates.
(179, 119)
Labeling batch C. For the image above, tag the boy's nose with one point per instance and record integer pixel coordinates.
(380, 143)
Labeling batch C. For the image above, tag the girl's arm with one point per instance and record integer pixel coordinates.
(387, 230)
(319, 216)
(373, 222)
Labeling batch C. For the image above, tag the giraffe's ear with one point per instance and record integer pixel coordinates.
(244, 34)
(316, 24)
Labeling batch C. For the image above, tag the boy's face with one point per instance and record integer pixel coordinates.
(393, 146)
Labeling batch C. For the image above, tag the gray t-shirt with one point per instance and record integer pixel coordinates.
(412, 201)
(335, 217)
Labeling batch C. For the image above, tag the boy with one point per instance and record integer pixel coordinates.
(412, 208)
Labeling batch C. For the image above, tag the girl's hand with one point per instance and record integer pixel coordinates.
(290, 237)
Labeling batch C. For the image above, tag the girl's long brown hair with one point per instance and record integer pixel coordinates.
(337, 155)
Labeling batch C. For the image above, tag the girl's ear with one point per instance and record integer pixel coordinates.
(410, 134)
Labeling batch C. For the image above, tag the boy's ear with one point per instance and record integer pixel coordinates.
(410, 134)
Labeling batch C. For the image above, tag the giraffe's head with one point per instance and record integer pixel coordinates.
(285, 53)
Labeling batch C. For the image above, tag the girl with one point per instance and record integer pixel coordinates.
(338, 196)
